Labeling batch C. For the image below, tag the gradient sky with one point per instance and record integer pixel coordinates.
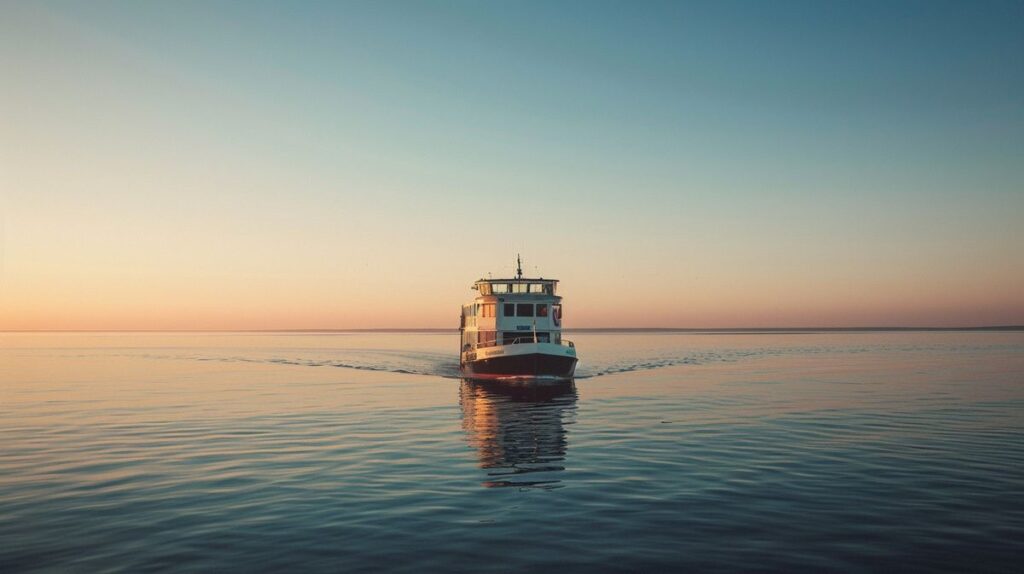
(251, 165)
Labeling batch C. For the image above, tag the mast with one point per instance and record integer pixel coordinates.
(519, 267)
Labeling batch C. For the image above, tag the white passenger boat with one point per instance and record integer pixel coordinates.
(513, 329)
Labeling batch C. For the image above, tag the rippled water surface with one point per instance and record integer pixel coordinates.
(894, 451)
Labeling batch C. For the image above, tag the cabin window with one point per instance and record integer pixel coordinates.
(510, 309)
(520, 337)
(487, 310)
(500, 287)
(487, 338)
(516, 337)
(524, 309)
(542, 310)
(519, 287)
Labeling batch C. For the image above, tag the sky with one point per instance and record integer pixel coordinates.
(291, 165)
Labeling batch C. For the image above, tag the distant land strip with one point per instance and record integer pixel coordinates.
(716, 330)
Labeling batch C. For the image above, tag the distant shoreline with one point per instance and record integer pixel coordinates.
(712, 331)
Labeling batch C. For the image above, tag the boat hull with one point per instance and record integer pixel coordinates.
(533, 365)
(534, 361)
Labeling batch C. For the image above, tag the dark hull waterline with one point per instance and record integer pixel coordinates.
(533, 365)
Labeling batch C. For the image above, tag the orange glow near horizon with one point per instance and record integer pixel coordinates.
(584, 309)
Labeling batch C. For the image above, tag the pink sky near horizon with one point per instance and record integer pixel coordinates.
(422, 301)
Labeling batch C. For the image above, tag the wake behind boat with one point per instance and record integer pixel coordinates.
(513, 330)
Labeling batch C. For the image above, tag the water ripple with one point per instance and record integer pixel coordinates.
(894, 455)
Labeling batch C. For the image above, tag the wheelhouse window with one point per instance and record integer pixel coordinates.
(510, 310)
(524, 309)
(486, 287)
(542, 309)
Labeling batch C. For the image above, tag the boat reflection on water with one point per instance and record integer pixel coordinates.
(518, 429)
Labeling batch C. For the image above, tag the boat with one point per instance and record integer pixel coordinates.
(513, 330)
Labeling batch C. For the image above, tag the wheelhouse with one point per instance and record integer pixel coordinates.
(516, 286)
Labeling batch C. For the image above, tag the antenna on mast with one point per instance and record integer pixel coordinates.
(519, 267)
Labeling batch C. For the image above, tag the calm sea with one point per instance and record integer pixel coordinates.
(891, 451)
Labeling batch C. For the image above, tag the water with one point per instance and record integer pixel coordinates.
(357, 452)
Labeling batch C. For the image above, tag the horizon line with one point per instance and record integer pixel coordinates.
(578, 329)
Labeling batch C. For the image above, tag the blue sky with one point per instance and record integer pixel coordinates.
(294, 164)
